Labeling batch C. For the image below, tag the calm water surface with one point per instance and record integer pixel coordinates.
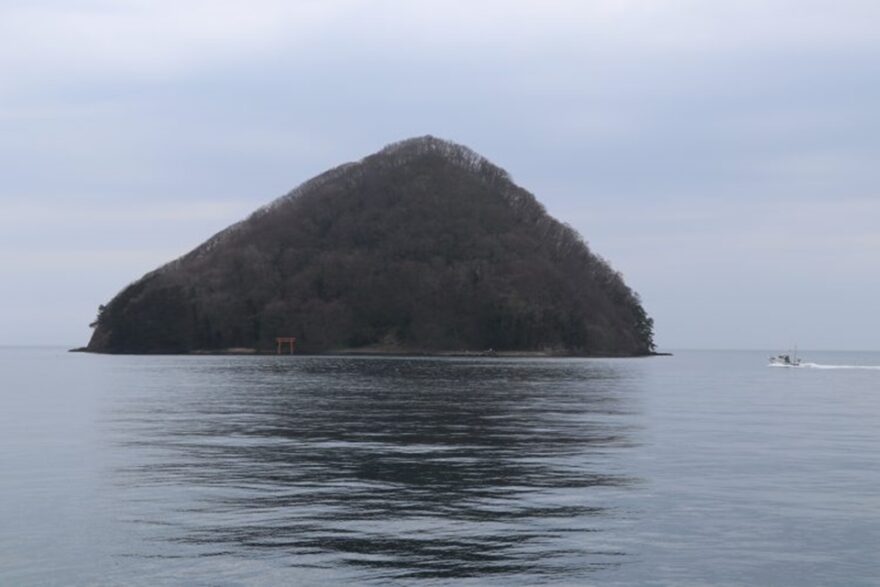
(700, 469)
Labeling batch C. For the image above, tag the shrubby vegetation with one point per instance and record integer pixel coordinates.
(422, 246)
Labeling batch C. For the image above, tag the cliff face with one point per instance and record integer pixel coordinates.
(424, 245)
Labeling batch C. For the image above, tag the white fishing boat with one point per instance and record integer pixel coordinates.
(785, 360)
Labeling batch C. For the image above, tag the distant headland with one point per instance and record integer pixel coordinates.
(422, 248)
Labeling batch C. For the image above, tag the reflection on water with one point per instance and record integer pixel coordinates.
(389, 468)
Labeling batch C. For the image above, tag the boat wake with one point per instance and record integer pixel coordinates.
(822, 366)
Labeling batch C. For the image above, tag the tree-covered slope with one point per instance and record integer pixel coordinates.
(423, 246)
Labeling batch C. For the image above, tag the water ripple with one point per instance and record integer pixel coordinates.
(400, 468)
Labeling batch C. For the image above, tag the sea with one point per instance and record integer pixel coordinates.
(699, 469)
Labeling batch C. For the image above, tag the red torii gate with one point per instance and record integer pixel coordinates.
(283, 340)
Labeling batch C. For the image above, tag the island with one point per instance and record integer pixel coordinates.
(424, 247)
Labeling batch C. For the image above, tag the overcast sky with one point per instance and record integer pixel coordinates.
(722, 155)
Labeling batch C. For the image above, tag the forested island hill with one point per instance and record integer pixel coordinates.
(423, 247)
